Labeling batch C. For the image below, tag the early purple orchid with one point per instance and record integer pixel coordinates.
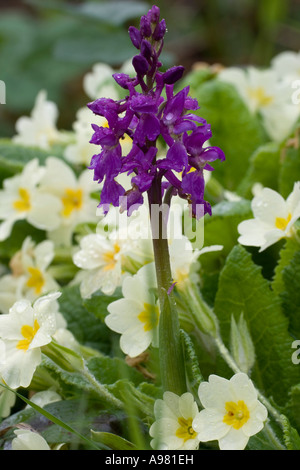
(144, 115)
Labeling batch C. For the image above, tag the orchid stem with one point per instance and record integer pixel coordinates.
(170, 346)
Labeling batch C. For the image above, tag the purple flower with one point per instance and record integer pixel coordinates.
(150, 111)
(110, 194)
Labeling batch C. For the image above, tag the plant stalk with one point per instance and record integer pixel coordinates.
(171, 357)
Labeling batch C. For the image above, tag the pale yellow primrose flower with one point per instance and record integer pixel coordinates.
(265, 93)
(100, 83)
(29, 277)
(274, 218)
(136, 315)
(287, 65)
(173, 428)
(100, 261)
(39, 129)
(21, 199)
(28, 440)
(232, 412)
(80, 151)
(74, 194)
(23, 332)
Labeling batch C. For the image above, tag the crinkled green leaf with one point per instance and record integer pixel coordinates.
(108, 370)
(291, 294)
(289, 171)
(291, 436)
(293, 407)
(264, 167)
(135, 398)
(98, 303)
(87, 329)
(74, 380)
(285, 256)
(221, 227)
(242, 288)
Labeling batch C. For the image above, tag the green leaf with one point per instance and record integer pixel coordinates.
(109, 370)
(291, 294)
(234, 129)
(135, 399)
(242, 288)
(112, 441)
(291, 436)
(13, 157)
(98, 303)
(264, 166)
(285, 256)
(293, 407)
(221, 227)
(71, 382)
(87, 329)
(289, 171)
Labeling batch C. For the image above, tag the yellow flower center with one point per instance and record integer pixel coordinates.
(110, 258)
(237, 414)
(149, 316)
(282, 223)
(185, 430)
(28, 332)
(72, 200)
(23, 204)
(36, 280)
(259, 95)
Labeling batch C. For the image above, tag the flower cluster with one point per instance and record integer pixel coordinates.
(268, 93)
(144, 115)
(49, 197)
(231, 413)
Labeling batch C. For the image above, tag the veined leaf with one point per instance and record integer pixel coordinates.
(242, 288)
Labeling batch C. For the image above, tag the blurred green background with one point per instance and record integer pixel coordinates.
(51, 44)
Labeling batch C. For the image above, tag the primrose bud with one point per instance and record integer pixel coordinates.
(241, 345)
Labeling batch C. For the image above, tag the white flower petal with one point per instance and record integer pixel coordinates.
(252, 232)
(233, 440)
(243, 389)
(123, 315)
(215, 392)
(28, 440)
(136, 340)
(209, 425)
(269, 205)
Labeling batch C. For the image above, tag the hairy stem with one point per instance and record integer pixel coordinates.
(170, 347)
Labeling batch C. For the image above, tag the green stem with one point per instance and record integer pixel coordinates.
(101, 390)
(170, 346)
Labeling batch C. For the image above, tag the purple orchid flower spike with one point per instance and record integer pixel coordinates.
(149, 111)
